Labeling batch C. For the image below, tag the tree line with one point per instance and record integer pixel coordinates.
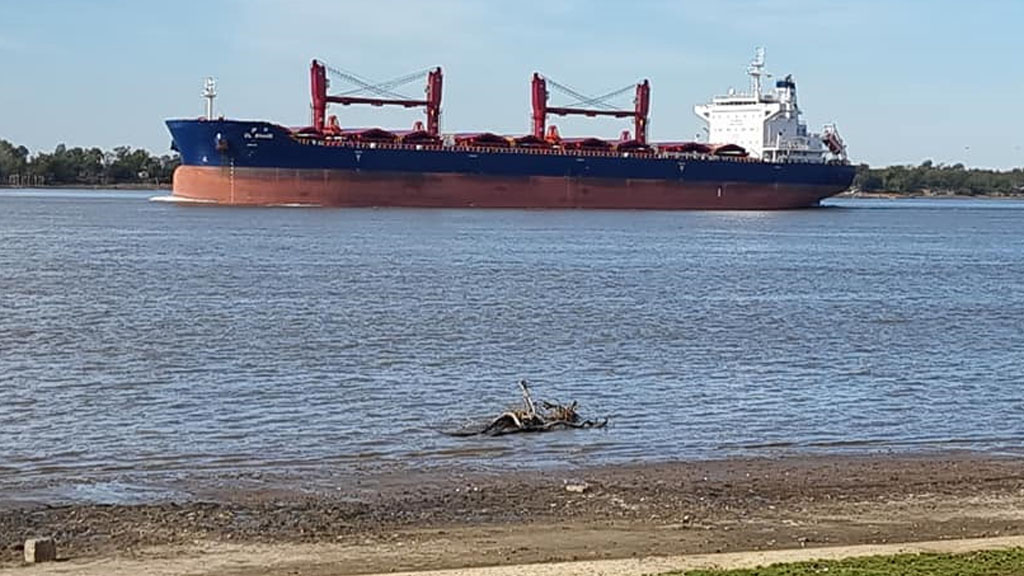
(83, 166)
(939, 179)
(123, 165)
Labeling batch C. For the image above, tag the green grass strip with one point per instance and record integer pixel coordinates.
(986, 563)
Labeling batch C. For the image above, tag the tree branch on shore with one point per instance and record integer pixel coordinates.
(551, 416)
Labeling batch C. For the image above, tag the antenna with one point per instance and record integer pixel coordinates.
(756, 70)
(209, 92)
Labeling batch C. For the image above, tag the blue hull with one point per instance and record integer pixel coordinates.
(262, 155)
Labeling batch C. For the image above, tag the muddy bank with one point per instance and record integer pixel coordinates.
(457, 520)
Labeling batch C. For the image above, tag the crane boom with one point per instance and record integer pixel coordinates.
(541, 110)
(384, 96)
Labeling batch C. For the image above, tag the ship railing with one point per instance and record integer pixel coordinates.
(532, 150)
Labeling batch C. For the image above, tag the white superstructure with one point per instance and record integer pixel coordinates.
(768, 125)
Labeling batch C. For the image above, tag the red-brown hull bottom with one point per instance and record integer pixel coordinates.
(275, 186)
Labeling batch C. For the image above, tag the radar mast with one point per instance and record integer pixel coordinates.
(756, 70)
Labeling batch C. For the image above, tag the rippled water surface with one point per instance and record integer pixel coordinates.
(145, 344)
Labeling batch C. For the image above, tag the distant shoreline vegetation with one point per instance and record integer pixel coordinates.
(939, 180)
(124, 167)
(121, 167)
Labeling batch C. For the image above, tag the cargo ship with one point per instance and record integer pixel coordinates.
(757, 155)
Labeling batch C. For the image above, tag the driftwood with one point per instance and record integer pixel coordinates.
(551, 416)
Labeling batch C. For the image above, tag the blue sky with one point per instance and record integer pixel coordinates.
(905, 81)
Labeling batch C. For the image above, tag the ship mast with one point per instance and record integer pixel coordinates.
(209, 92)
(756, 70)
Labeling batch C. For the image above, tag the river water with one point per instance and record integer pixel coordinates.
(146, 347)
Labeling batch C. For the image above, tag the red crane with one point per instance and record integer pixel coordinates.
(640, 112)
(383, 94)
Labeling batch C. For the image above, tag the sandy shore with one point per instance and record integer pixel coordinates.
(215, 558)
(454, 520)
(105, 187)
(931, 196)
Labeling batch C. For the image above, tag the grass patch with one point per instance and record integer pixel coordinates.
(986, 563)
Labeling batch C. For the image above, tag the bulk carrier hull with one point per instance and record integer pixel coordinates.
(259, 163)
